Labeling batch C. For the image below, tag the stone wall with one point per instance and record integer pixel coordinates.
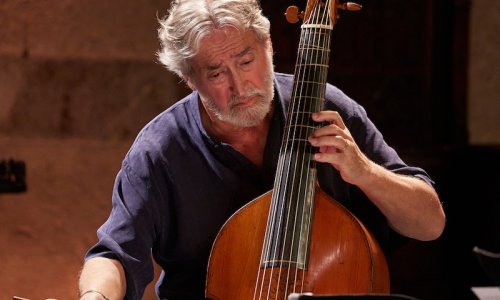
(47, 229)
(84, 69)
(78, 79)
(484, 76)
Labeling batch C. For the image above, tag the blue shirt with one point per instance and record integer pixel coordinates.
(177, 187)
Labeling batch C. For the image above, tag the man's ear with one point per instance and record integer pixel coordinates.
(189, 82)
(270, 44)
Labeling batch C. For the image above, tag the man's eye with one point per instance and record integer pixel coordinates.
(214, 75)
(247, 62)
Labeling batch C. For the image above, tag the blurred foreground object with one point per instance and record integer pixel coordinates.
(490, 262)
(350, 297)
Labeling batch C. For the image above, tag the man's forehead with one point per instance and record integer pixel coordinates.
(222, 44)
(215, 63)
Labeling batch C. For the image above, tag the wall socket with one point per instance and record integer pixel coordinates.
(12, 176)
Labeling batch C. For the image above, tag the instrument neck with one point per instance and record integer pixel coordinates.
(294, 187)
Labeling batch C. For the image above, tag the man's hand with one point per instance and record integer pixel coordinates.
(338, 148)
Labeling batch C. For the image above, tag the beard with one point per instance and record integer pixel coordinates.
(247, 116)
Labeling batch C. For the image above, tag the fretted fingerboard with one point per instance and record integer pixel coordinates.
(287, 237)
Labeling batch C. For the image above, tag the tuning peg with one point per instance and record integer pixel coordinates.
(292, 14)
(351, 6)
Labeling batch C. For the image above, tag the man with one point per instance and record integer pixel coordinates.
(212, 152)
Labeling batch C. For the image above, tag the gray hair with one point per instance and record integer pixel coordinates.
(189, 21)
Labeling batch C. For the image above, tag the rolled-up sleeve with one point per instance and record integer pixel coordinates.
(130, 230)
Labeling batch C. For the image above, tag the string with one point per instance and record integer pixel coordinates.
(308, 55)
(297, 114)
(314, 47)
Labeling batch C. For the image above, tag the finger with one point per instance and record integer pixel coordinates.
(336, 141)
(329, 116)
(332, 129)
(327, 157)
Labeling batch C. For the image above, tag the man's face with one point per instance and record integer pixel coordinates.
(233, 74)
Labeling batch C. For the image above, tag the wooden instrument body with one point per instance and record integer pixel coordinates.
(344, 256)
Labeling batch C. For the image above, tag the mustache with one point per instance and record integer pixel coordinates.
(252, 93)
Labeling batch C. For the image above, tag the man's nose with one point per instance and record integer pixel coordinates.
(237, 84)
